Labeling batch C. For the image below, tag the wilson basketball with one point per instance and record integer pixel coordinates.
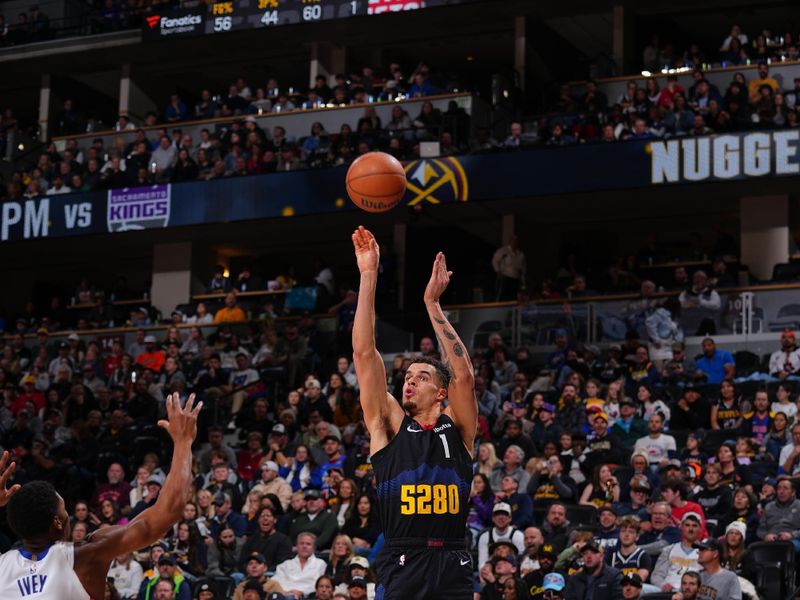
(376, 182)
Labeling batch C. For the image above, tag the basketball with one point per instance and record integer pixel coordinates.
(376, 182)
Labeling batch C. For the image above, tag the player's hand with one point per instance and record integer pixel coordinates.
(7, 467)
(367, 253)
(181, 422)
(440, 278)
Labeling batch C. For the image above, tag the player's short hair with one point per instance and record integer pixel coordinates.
(31, 510)
(442, 371)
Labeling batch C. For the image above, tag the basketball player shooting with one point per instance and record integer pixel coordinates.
(47, 567)
(421, 452)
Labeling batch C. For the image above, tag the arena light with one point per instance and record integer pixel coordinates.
(646, 74)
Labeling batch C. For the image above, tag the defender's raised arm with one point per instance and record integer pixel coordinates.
(461, 392)
(382, 414)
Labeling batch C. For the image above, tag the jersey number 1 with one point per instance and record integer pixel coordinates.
(446, 447)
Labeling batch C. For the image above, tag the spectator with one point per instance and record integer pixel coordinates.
(298, 575)
(548, 482)
(127, 575)
(166, 574)
(755, 85)
(502, 530)
(163, 159)
(675, 492)
(152, 358)
(677, 558)
(785, 362)
(510, 266)
(511, 466)
(692, 411)
(515, 139)
(521, 504)
(176, 110)
(231, 312)
(716, 581)
(626, 556)
(781, 518)
(658, 446)
(595, 581)
(715, 365)
(223, 555)
(316, 520)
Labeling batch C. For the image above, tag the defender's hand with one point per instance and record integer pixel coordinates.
(181, 423)
(367, 252)
(6, 469)
(440, 278)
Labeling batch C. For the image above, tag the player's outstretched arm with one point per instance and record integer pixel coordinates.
(370, 370)
(461, 393)
(153, 523)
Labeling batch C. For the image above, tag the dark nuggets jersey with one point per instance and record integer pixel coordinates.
(423, 482)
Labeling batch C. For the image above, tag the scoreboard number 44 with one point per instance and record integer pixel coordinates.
(270, 17)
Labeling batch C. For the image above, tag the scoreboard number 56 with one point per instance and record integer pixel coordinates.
(223, 23)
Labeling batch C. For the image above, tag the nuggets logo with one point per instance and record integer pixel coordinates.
(436, 180)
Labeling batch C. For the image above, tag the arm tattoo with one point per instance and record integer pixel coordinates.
(440, 321)
(443, 352)
(449, 336)
(458, 350)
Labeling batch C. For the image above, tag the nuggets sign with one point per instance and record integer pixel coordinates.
(436, 180)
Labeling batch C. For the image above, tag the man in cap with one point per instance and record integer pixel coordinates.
(256, 571)
(680, 557)
(715, 581)
(153, 357)
(29, 394)
(596, 581)
(640, 490)
(154, 484)
(607, 534)
(628, 427)
(267, 541)
(504, 567)
(62, 358)
(631, 586)
(534, 580)
(785, 362)
(603, 447)
(278, 447)
(225, 516)
(357, 588)
(166, 571)
(680, 368)
(545, 429)
(514, 433)
(272, 483)
(204, 591)
(251, 590)
(317, 520)
(502, 530)
(691, 412)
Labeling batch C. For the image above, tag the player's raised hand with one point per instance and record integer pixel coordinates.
(7, 467)
(367, 252)
(181, 422)
(440, 278)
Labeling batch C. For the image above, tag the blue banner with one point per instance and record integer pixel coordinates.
(503, 175)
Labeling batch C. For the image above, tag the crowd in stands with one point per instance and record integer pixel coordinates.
(664, 109)
(598, 474)
(243, 146)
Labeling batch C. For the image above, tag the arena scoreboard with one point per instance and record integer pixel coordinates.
(244, 15)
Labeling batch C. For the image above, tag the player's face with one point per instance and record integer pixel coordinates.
(421, 388)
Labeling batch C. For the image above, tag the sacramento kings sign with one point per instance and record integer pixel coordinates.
(131, 209)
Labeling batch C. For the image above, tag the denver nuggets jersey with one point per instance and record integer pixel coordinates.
(423, 481)
(49, 577)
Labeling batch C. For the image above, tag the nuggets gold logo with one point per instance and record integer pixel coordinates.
(436, 180)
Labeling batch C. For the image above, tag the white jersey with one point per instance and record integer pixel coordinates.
(50, 577)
